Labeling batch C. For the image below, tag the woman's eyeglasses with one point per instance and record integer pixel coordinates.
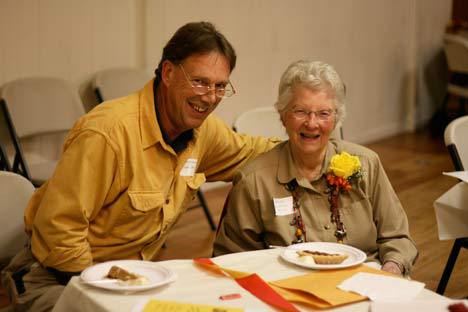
(322, 115)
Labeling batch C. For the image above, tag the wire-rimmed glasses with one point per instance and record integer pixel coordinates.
(322, 115)
(200, 87)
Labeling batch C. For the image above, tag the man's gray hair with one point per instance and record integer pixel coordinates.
(317, 76)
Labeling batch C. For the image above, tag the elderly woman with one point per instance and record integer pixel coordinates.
(315, 189)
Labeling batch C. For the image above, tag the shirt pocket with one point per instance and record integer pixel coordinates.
(141, 215)
(146, 201)
(353, 201)
(196, 181)
(193, 184)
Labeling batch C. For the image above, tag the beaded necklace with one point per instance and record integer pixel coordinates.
(300, 233)
(297, 221)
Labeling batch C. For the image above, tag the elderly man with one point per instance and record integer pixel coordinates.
(130, 167)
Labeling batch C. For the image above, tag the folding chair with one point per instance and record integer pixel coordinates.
(457, 145)
(456, 52)
(40, 107)
(15, 192)
(265, 121)
(114, 83)
(117, 82)
(9, 140)
(4, 162)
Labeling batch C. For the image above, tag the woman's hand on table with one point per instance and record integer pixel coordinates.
(392, 267)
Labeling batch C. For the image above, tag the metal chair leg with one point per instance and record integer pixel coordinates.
(462, 109)
(449, 266)
(207, 212)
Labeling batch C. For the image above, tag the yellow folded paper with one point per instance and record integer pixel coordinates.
(170, 306)
(319, 288)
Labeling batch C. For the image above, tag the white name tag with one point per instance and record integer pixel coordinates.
(283, 206)
(188, 170)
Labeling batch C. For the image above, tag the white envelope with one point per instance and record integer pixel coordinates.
(451, 211)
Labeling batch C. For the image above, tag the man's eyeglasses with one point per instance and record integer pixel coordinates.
(200, 87)
(322, 115)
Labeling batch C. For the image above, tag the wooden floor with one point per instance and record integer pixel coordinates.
(413, 162)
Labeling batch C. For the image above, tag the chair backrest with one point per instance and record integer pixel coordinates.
(41, 105)
(456, 50)
(15, 192)
(261, 121)
(455, 138)
(117, 82)
(265, 121)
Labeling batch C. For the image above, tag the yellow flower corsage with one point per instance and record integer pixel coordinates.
(344, 170)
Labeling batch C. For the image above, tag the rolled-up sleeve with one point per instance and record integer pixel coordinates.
(59, 214)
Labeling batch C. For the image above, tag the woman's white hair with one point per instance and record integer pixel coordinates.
(317, 76)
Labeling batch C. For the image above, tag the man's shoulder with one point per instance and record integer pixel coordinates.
(108, 116)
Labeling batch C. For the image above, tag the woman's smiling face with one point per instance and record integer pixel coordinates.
(309, 120)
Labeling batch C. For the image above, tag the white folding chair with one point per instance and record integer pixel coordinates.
(265, 121)
(117, 82)
(455, 137)
(42, 110)
(260, 121)
(15, 192)
(12, 156)
(456, 50)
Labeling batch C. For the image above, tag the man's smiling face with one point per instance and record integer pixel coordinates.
(184, 109)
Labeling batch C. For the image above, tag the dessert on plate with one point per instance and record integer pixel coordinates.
(320, 257)
(125, 277)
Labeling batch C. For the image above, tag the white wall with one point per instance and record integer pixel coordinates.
(432, 67)
(386, 51)
(372, 44)
(66, 38)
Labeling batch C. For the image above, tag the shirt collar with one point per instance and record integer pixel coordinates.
(287, 170)
(149, 126)
(180, 143)
(150, 129)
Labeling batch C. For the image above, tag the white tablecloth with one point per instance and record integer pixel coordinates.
(195, 285)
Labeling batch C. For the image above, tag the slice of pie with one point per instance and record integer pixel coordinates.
(125, 277)
(323, 257)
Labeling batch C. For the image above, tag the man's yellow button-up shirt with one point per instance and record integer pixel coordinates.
(118, 188)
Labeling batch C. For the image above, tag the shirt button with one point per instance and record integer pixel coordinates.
(167, 201)
(326, 227)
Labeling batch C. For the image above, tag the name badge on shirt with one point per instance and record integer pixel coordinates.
(188, 170)
(283, 206)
